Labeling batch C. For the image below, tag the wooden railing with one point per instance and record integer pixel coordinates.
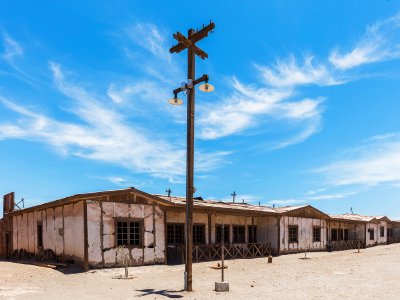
(213, 252)
(393, 239)
(346, 245)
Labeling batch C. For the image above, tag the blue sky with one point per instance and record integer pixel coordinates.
(306, 106)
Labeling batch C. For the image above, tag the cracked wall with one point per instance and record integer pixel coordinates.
(101, 233)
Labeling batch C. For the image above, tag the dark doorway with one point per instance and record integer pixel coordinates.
(40, 235)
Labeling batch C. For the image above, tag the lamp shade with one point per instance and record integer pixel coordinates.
(175, 101)
(206, 87)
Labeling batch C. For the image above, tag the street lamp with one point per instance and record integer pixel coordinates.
(189, 43)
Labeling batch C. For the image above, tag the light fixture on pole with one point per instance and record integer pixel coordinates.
(206, 87)
(175, 100)
(189, 43)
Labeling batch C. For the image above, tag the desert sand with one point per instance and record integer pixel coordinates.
(373, 273)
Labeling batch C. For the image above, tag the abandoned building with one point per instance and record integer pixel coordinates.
(89, 228)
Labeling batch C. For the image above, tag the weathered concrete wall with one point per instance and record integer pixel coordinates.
(102, 239)
(375, 228)
(267, 231)
(305, 234)
(382, 239)
(62, 231)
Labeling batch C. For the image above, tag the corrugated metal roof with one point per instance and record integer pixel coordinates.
(218, 204)
(354, 217)
(284, 209)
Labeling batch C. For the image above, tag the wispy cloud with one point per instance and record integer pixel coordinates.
(289, 73)
(287, 202)
(250, 107)
(376, 161)
(103, 134)
(380, 42)
(11, 47)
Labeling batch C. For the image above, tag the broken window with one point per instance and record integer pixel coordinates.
(40, 235)
(371, 234)
(199, 236)
(293, 234)
(334, 234)
(252, 233)
(382, 231)
(129, 233)
(238, 234)
(218, 237)
(317, 234)
(175, 234)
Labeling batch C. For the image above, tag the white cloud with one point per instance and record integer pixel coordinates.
(377, 161)
(103, 134)
(287, 73)
(11, 48)
(287, 202)
(380, 42)
(249, 107)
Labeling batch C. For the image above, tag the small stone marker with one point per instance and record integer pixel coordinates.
(270, 259)
(222, 286)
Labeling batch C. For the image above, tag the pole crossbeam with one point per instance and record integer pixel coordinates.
(197, 36)
(189, 43)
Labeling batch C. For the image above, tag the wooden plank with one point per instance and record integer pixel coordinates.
(85, 238)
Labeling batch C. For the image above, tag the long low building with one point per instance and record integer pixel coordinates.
(90, 228)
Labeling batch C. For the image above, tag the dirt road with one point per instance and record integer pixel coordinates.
(373, 273)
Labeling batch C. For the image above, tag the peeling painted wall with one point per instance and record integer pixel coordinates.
(375, 228)
(101, 233)
(305, 234)
(62, 231)
(382, 239)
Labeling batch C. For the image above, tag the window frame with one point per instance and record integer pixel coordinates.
(227, 231)
(318, 230)
(141, 231)
(202, 225)
(371, 234)
(382, 231)
(336, 234)
(290, 237)
(345, 234)
(183, 233)
(253, 230)
(235, 239)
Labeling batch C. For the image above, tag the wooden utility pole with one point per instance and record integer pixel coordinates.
(189, 43)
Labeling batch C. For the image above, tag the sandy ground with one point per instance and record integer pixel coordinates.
(373, 273)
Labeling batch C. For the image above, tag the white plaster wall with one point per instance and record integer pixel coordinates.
(61, 234)
(49, 237)
(94, 241)
(153, 250)
(374, 227)
(305, 230)
(59, 230)
(382, 240)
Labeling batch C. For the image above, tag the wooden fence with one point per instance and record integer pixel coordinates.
(393, 239)
(346, 245)
(213, 252)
